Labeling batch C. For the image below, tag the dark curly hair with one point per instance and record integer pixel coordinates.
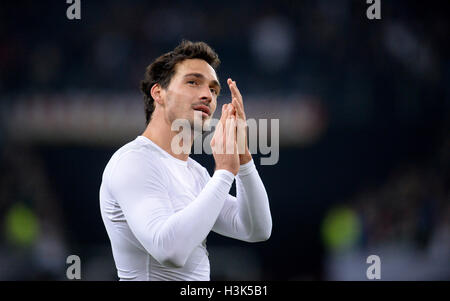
(163, 68)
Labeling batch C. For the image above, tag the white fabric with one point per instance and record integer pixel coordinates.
(158, 211)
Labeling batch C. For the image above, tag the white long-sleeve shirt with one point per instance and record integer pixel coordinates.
(158, 211)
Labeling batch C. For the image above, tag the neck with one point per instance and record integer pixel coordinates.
(159, 131)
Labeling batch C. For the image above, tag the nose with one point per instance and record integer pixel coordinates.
(206, 95)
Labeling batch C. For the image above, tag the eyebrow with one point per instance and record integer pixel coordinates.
(199, 75)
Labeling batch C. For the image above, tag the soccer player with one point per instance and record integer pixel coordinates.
(158, 205)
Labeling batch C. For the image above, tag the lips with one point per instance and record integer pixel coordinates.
(202, 108)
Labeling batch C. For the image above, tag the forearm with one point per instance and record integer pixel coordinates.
(187, 228)
(171, 237)
(253, 203)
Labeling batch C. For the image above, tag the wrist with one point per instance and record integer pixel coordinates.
(246, 169)
(245, 158)
(225, 169)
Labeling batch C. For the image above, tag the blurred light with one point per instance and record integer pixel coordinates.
(310, 120)
(406, 47)
(272, 43)
(21, 225)
(109, 119)
(341, 229)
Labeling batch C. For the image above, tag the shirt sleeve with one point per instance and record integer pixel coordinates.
(140, 186)
(247, 216)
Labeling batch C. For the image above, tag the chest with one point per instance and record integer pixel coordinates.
(186, 184)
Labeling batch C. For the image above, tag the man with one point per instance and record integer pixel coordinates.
(159, 205)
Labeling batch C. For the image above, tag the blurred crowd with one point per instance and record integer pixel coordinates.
(384, 76)
(411, 206)
(320, 47)
(33, 236)
(405, 219)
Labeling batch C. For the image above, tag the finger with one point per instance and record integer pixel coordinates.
(217, 141)
(237, 91)
(226, 125)
(236, 94)
(231, 135)
(241, 136)
(224, 114)
(233, 109)
(223, 120)
(229, 110)
(235, 135)
(240, 128)
(239, 109)
(234, 90)
(218, 133)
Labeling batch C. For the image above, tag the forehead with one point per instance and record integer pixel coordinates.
(195, 66)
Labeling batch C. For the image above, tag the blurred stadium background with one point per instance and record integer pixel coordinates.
(364, 130)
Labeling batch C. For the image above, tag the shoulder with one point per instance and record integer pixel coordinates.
(134, 160)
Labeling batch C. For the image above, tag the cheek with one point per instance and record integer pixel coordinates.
(213, 106)
(178, 101)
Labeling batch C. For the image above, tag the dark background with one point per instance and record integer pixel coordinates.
(364, 122)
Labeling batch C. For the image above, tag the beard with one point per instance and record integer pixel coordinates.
(197, 122)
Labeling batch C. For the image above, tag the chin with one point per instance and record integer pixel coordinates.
(198, 117)
(196, 124)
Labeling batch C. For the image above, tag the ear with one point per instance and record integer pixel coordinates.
(156, 93)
